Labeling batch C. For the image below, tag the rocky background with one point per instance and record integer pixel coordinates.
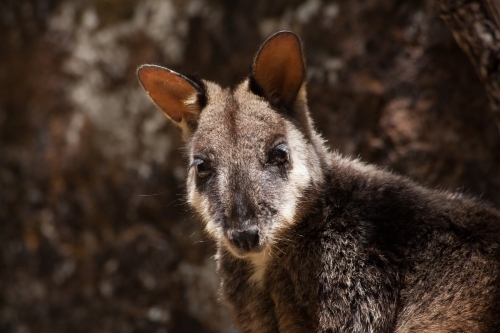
(94, 231)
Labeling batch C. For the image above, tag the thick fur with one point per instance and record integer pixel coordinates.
(342, 246)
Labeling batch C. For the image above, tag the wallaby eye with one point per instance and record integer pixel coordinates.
(279, 155)
(202, 168)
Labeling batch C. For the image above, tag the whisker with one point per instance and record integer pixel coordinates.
(152, 195)
(224, 255)
(290, 241)
(271, 252)
(176, 200)
(275, 247)
(281, 250)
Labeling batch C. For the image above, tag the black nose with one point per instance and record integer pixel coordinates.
(245, 239)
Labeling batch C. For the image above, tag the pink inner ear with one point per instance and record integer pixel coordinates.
(168, 90)
(279, 67)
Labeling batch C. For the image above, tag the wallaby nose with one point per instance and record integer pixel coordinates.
(245, 239)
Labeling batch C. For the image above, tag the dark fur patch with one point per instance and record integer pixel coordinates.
(255, 87)
(201, 90)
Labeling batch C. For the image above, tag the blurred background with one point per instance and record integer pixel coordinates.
(95, 235)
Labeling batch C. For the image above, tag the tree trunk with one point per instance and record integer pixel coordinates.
(476, 28)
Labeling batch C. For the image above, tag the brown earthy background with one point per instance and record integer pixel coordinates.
(94, 231)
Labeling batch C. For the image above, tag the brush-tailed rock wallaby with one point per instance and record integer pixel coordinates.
(309, 240)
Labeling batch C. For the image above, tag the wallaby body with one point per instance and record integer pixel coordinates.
(310, 241)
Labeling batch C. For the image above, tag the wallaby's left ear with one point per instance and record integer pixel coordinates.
(278, 70)
(180, 98)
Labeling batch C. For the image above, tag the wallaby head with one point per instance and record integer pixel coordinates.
(255, 161)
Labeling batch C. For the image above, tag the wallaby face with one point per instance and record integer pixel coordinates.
(311, 241)
(251, 167)
(249, 171)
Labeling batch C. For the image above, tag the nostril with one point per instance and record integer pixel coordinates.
(236, 242)
(246, 239)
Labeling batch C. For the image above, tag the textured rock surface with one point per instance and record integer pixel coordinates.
(94, 235)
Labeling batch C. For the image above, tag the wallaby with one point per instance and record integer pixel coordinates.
(309, 240)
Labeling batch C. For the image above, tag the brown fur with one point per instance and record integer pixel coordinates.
(310, 241)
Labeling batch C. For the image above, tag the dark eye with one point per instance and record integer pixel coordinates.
(202, 168)
(279, 155)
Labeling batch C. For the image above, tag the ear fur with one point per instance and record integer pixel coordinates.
(278, 70)
(180, 98)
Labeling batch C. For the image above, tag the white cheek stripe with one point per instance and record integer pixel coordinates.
(299, 177)
(202, 206)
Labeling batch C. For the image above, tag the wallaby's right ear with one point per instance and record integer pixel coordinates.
(278, 70)
(180, 98)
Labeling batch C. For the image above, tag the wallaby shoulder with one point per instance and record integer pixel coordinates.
(397, 211)
(411, 239)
